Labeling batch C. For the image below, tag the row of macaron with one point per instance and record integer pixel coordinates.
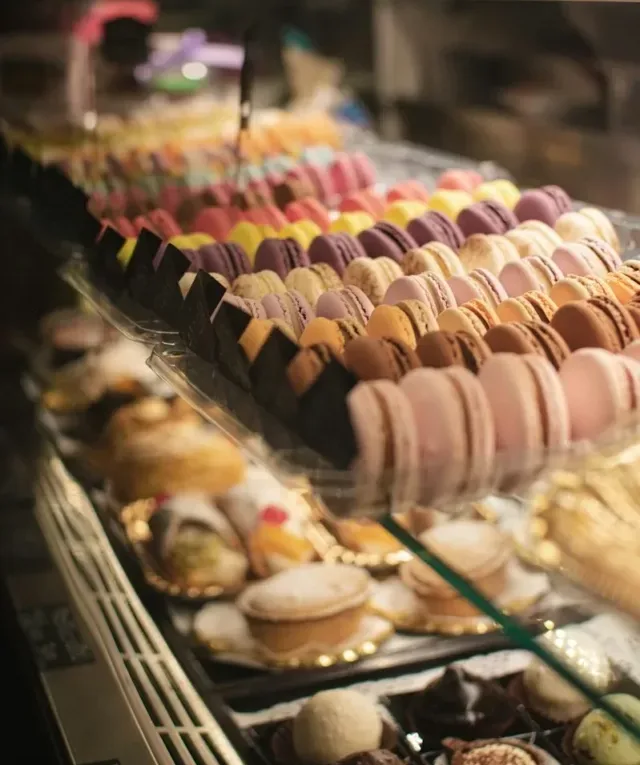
(345, 175)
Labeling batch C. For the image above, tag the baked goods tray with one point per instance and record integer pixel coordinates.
(118, 309)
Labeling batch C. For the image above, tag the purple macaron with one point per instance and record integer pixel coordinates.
(281, 256)
(291, 307)
(226, 258)
(435, 227)
(253, 307)
(337, 250)
(386, 239)
(489, 217)
(547, 204)
(347, 303)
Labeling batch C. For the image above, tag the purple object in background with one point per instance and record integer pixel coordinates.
(337, 250)
(436, 227)
(546, 204)
(227, 259)
(488, 217)
(281, 256)
(386, 239)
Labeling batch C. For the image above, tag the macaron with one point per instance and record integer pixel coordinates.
(531, 273)
(350, 302)
(407, 191)
(435, 257)
(450, 202)
(445, 349)
(364, 169)
(604, 252)
(343, 175)
(489, 217)
(459, 180)
(500, 190)
(528, 337)
(351, 223)
(456, 435)
(248, 236)
(406, 322)
(427, 287)
(254, 308)
(479, 284)
(313, 281)
(303, 231)
(383, 358)
(164, 223)
(589, 221)
(529, 409)
(290, 307)
(366, 201)
(335, 333)
(214, 221)
(307, 365)
(308, 209)
(601, 388)
(372, 276)
(573, 288)
(547, 204)
(387, 442)
(578, 259)
(257, 333)
(336, 250)
(624, 285)
(599, 322)
(488, 252)
(433, 226)
(226, 258)
(475, 317)
(533, 237)
(532, 306)
(401, 213)
(256, 286)
(281, 256)
(386, 239)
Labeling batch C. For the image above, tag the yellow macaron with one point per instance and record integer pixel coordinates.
(303, 231)
(248, 236)
(450, 203)
(403, 212)
(500, 190)
(351, 223)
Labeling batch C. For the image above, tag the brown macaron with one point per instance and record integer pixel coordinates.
(446, 349)
(599, 322)
(385, 358)
(528, 337)
(307, 365)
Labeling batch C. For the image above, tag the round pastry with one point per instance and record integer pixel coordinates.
(495, 752)
(461, 705)
(316, 605)
(194, 542)
(473, 548)
(547, 694)
(336, 724)
(599, 741)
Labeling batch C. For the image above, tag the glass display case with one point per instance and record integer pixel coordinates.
(337, 446)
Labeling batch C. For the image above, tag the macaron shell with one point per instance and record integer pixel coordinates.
(460, 320)
(450, 203)
(352, 223)
(422, 318)
(518, 278)
(401, 213)
(391, 321)
(623, 286)
(371, 277)
(572, 226)
(577, 259)
(323, 331)
(248, 236)
(379, 358)
(481, 251)
(573, 288)
(463, 289)
(306, 366)
(596, 323)
(489, 287)
(443, 349)
(604, 228)
(435, 257)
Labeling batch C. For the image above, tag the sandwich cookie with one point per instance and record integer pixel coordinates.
(280, 256)
(313, 281)
(335, 333)
(528, 337)
(624, 284)
(384, 358)
(401, 213)
(599, 322)
(347, 303)
(589, 221)
(256, 286)
(532, 306)
(459, 179)
(290, 307)
(537, 273)
(500, 190)
(479, 284)
(433, 226)
(372, 276)
(435, 257)
(475, 317)
(488, 217)
(256, 334)
(409, 191)
(427, 287)
(547, 204)
(351, 223)
(450, 202)
(534, 237)
(307, 365)
(386, 239)
(446, 349)
(488, 252)
(407, 321)
(456, 438)
(336, 250)
(573, 288)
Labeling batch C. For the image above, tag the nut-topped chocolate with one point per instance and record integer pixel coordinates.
(494, 752)
(462, 705)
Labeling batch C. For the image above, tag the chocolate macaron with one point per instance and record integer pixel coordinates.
(446, 349)
(528, 337)
(599, 322)
(384, 358)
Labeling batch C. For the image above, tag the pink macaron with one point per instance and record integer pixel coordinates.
(387, 462)
(530, 412)
(455, 431)
(427, 287)
(576, 259)
(343, 175)
(364, 169)
(410, 191)
(347, 303)
(308, 209)
(459, 180)
(214, 221)
(479, 284)
(601, 388)
(363, 201)
(535, 273)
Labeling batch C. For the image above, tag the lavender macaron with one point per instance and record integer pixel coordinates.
(386, 239)
(347, 303)
(488, 217)
(434, 226)
(337, 250)
(281, 256)
(228, 259)
(547, 204)
(253, 307)
(291, 307)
